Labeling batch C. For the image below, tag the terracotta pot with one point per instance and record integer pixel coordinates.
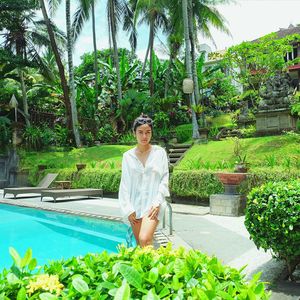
(80, 166)
(231, 178)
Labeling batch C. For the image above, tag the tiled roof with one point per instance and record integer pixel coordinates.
(283, 32)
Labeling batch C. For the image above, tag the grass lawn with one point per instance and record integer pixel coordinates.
(271, 151)
(98, 156)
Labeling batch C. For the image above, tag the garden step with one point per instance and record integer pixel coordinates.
(175, 154)
(178, 150)
(173, 160)
(181, 146)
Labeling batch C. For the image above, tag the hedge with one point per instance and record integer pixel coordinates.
(273, 220)
(132, 273)
(199, 184)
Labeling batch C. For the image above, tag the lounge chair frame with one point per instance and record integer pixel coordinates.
(43, 185)
(60, 193)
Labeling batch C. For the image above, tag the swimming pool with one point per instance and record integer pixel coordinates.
(53, 235)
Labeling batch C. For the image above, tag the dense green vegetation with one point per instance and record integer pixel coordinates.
(94, 157)
(129, 274)
(268, 152)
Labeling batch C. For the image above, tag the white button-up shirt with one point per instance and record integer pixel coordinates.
(141, 186)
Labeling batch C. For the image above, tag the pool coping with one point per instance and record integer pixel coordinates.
(160, 238)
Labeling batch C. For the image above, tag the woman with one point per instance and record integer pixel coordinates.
(144, 183)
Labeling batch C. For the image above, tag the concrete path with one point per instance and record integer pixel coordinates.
(224, 237)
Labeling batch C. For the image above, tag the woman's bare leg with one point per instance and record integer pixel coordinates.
(136, 228)
(147, 229)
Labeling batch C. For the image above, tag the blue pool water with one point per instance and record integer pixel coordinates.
(53, 235)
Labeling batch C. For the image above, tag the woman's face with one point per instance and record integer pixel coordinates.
(143, 134)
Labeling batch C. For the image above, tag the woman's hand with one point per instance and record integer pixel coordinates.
(132, 219)
(153, 214)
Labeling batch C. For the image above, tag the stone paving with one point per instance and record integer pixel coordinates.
(224, 237)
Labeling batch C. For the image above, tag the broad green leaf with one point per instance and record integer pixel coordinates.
(107, 285)
(132, 276)
(21, 294)
(151, 295)
(27, 258)
(259, 289)
(12, 278)
(164, 292)
(202, 295)
(47, 296)
(153, 275)
(80, 285)
(15, 255)
(224, 295)
(123, 292)
(179, 267)
(32, 264)
(251, 295)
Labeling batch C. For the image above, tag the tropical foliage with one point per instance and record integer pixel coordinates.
(132, 273)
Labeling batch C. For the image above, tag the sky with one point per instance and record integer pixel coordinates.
(246, 20)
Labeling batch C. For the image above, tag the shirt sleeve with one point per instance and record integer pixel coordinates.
(163, 189)
(124, 190)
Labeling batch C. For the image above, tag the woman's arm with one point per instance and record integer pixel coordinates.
(163, 189)
(124, 194)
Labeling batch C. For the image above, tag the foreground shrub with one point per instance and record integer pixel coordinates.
(273, 220)
(132, 273)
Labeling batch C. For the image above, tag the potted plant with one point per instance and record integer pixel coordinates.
(241, 165)
(80, 165)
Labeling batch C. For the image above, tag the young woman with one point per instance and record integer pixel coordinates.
(144, 183)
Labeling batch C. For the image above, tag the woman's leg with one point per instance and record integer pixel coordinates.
(147, 230)
(136, 228)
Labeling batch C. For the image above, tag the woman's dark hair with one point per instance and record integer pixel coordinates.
(141, 120)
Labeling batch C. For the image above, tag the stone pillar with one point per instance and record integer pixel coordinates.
(227, 205)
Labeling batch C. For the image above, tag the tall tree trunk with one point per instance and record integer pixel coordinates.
(151, 82)
(167, 76)
(115, 47)
(194, 64)
(95, 55)
(188, 63)
(193, 57)
(75, 123)
(146, 56)
(24, 97)
(60, 66)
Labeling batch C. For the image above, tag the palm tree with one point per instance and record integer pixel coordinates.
(75, 123)
(23, 36)
(59, 63)
(53, 5)
(189, 63)
(82, 14)
(114, 13)
(152, 12)
(117, 11)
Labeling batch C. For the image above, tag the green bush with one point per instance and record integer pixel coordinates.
(132, 273)
(5, 131)
(107, 134)
(199, 184)
(108, 180)
(273, 220)
(184, 132)
(257, 177)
